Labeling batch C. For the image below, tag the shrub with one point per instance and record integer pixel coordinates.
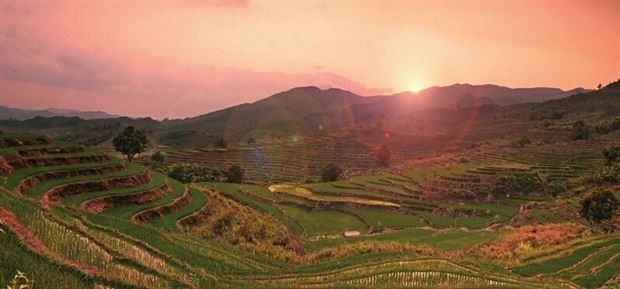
(522, 142)
(607, 174)
(521, 183)
(157, 157)
(220, 143)
(251, 141)
(556, 115)
(607, 126)
(601, 205)
(557, 189)
(580, 131)
(234, 174)
(331, 172)
(526, 241)
(611, 154)
(191, 173)
(216, 173)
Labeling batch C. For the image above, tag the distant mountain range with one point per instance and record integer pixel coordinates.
(305, 110)
(464, 95)
(23, 114)
(298, 111)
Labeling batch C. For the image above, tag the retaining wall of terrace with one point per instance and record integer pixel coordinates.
(5, 167)
(61, 191)
(24, 141)
(56, 161)
(50, 150)
(32, 181)
(146, 215)
(103, 204)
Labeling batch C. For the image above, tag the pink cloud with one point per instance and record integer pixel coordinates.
(41, 71)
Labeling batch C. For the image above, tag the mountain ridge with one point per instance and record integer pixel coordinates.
(310, 109)
(24, 114)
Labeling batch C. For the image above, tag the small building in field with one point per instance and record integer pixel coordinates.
(351, 233)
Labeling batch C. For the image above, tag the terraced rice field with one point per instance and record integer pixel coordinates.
(589, 265)
(74, 217)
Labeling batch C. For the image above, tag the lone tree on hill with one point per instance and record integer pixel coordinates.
(331, 172)
(611, 154)
(234, 174)
(599, 206)
(130, 142)
(383, 156)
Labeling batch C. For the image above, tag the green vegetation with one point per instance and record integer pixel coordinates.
(158, 157)
(381, 218)
(220, 143)
(235, 174)
(331, 172)
(519, 184)
(130, 142)
(580, 131)
(611, 154)
(193, 173)
(479, 220)
(324, 222)
(306, 194)
(450, 239)
(600, 206)
(522, 142)
(17, 258)
(556, 264)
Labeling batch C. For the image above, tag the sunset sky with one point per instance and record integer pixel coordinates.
(180, 59)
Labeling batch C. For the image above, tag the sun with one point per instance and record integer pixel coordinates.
(414, 87)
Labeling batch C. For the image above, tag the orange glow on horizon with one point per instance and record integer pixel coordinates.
(415, 87)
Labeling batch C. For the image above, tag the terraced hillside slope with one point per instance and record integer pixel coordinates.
(74, 217)
(411, 134)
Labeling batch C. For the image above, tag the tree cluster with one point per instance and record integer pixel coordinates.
(606, 174)
(580, 131)
(518, 183)
(600, 206)
(611, 154)
(606, 126)
(192, 173)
